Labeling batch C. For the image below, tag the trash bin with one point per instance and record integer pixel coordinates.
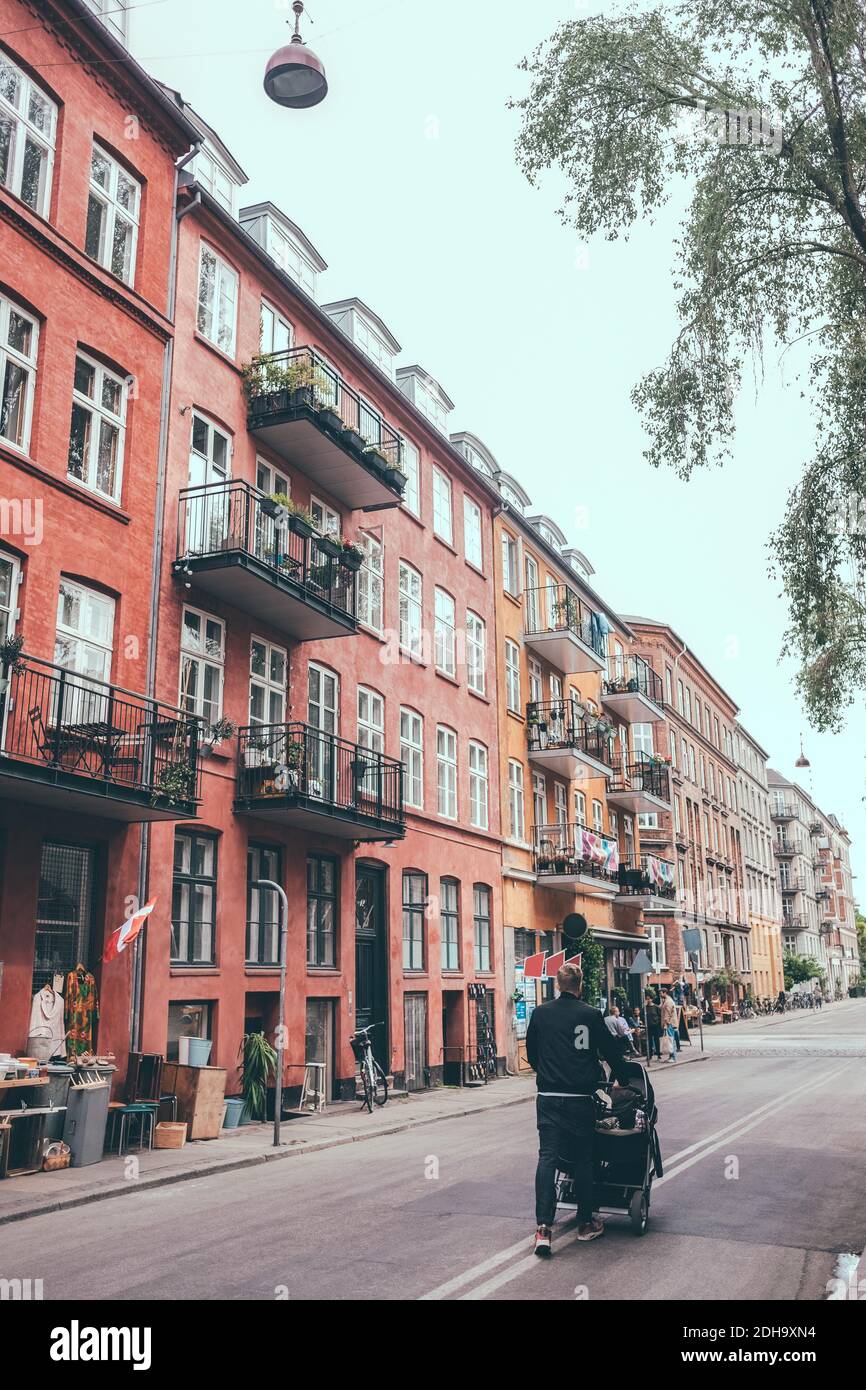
(86, 1118)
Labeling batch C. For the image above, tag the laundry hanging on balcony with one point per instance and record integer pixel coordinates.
(598, 850)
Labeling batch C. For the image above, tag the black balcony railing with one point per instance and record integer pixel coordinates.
(784, 846)
(69, 729)
(220, 518)
(301, 379)
(792, 921)
(553, 724)
(295, 763)
(557, 608)
(783, 810)
(632, 675)
(646, 874)
(641, 774)
(569, 850)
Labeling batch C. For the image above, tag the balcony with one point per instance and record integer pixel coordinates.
(783, 810)
(75, 744)
(577, 859)
(786, 848)
(639, 786)
(571, 747)
(793, 885)
(237, 544)
(298, 776)
(307, 414)
(648, 877)
(562, 629)
(633, 691)
(793, 922)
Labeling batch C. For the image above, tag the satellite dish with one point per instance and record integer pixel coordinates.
(574, 928)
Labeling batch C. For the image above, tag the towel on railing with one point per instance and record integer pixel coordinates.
(598, 850)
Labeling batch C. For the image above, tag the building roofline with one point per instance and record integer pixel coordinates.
(741, 729)
(637, 622)
(355, 302)
(269, 209)
(428, 381)
(206, 130)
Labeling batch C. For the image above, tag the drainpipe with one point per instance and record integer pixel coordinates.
(139, 946)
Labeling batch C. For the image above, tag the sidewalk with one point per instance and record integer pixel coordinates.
(341, 1123)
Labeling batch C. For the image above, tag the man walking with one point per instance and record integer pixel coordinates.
(671, 1023)
(563, 1043)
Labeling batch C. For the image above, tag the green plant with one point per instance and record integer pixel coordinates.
(264, 376)
(10, 655)
(592, 965)
(258, 1060)
(175, 784)
(291, 508)
(222, 728)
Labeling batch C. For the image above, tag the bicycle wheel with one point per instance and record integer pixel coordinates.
(367, 1084)
(380, 1085)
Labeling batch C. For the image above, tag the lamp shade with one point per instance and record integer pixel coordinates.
(294, 77)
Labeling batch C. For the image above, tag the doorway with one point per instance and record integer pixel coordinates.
(415, 1041)
(371, 960)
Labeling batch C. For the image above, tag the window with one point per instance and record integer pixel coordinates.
(580, 809)
(321, 910)
(539, 799)
(681, 698)
(412, 756)
(688, 705)
(193, 904)
(217, 300)
(326, 519)
(444, 644)
(263, 908)
(85, 627)
(64, 909)
(642, 738)
(211, 174)
(268, 665)
(9, 578)
(512, 676)
(530, 594)
(112, 216)
(202, 656)
(28, 121)
(19, 334)
(446, 771)
(414, 907)
(481, 923)
(597, 817)
(476, 652)
(277, 334)
(472, 541)
(478, 785)
(443, 524)
(560, 803)
(669, 699)
(411, 465)
(509, 564)
(98, 426)
(449, 920)
(410, 610)
(516, 824)
(371, 581)
(371, 722)
(536, 685)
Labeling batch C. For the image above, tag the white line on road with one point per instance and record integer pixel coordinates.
(685, 1158)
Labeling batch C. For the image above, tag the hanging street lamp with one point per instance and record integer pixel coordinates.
(294, 76)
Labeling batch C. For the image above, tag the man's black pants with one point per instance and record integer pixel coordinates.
(566, 1130)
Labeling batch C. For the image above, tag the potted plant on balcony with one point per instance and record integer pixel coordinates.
(330, 545)
(285, 385)
(329, 415)
(375, 454)
(220, 729)
(10, 659)
(353, 436)
(351, 553)
(175, 784)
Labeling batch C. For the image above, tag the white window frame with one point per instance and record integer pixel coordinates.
(510, 575)
(209, 318)
(76, 648)
(446, 771)
(25, 130)
(479, 785)
(473, 533)
(412, 756)
(202, 660)
(268, 685)
(25, 362)
(100, 416)
(580, 809)
(371, 583)
(411, 465)
(597, 817)
(539, 798)
(443, 511)
(560, 803)
(270, 313)
(411, 611)
(516, 809)
(112, 211)
(444, 632)
(476, 652)
(371, 719)
(512, 676)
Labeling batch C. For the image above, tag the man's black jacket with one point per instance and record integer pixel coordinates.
(563, 1043)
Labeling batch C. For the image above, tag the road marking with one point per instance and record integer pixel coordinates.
(684, 1158)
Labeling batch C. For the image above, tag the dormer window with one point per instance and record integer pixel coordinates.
(285, 243)
(290, 258)
(547, 535)
(366, 330)
(426, 395)
(113, 14)
(213, 176)
(511, 497)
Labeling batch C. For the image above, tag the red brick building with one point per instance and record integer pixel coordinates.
(87, 187)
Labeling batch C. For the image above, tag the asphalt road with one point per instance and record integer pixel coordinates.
(763, 1188)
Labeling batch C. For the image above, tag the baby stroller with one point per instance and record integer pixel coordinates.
(626, 1158)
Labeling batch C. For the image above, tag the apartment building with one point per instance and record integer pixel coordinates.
(759, 865)
(818, 909)
(703, 836)
(89, 750)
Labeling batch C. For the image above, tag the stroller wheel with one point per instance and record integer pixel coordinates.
(638, 1211)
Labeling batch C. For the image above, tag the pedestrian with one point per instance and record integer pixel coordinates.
(563, 1042)
(653, 1027)
(670, 1022)
(781, 1001)
(819, 998)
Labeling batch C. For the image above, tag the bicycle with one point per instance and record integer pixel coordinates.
(373, 1079)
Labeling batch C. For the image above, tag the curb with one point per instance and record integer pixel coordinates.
(232, 1165)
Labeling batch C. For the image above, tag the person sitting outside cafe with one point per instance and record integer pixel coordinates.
(620, 1029)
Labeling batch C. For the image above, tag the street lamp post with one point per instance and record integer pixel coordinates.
(278, 1077)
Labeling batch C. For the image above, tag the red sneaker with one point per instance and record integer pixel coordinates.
(542, 1242)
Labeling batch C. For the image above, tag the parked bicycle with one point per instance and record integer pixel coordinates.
(373, 1079)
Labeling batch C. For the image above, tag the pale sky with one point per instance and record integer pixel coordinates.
(405, 180)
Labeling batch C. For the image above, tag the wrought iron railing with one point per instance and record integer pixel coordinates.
(553, 724)
(297, 762)
(234, 516)
(632, 675)
(783, 810)
(300, 377)
(557, 608)
(784, 846)
(641, 774)
(66, 723)
(568, 849)
(642, 874)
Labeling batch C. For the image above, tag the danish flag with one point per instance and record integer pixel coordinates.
(120, 939)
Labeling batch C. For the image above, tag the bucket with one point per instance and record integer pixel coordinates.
(199, 1051)
(234, 1109)
(183, 1049)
